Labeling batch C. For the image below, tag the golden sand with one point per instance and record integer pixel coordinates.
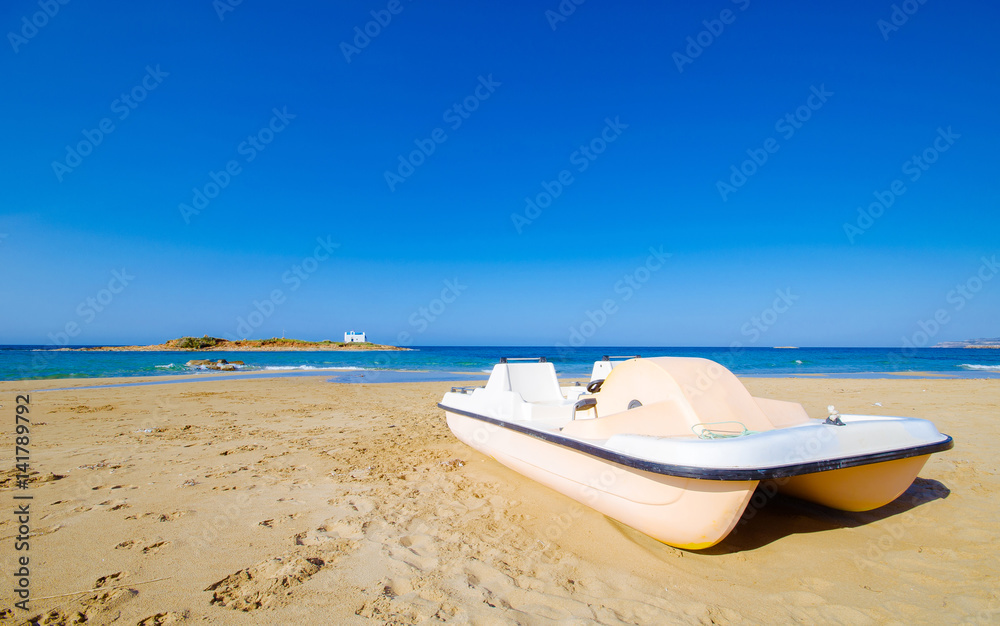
(295, 500)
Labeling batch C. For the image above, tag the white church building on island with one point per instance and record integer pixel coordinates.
(354, 337)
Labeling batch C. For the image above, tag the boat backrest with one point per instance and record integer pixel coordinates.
(535, 382)
(679, 397)
(715, 394)
(700, 391)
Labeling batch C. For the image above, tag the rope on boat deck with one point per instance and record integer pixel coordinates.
(709, 433)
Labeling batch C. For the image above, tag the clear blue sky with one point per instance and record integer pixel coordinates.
(541, 89)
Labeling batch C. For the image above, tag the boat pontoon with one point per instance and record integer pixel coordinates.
(674, 447)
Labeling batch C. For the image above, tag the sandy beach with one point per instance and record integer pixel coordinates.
(296, 500)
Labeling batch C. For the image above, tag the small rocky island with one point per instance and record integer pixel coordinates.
(215, 344)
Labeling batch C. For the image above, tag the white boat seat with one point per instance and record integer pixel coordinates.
(652, 420)
(601, 370)
(534, 382)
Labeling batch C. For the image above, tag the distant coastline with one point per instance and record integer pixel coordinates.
(971, 343)
(214, 344)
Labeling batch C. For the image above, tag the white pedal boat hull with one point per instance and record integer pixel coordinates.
(638, 466)
(682, 512)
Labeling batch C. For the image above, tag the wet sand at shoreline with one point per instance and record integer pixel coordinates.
(294, 499)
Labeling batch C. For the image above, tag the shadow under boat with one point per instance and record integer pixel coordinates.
(773, 516)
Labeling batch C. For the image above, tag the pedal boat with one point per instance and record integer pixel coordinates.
(675, 447)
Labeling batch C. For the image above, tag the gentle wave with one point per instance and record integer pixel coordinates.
(25, 363)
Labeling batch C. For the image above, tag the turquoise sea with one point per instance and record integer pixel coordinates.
(42, 362)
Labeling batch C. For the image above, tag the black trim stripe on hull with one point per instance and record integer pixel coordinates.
(708, 473)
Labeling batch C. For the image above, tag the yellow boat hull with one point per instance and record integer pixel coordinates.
(860, 488)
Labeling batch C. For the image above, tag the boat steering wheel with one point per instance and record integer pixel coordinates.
(595, 386)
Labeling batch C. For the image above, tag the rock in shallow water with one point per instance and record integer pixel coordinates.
(221, 364)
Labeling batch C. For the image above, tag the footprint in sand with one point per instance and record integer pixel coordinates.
(419, 551)
(354, 505)
(162, 619)
(262, 584)
(106, 601)
(57, 617)
(115, 505)
(397, 587)
(331, 530)
(38, 533)
(125, 545)
(347, 529)
(246, 448)
(110, 578)
(46, 478)
(271, 523)
(82, 408)
(154, 548)
(386, 608)
(166, 517)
